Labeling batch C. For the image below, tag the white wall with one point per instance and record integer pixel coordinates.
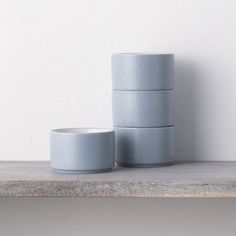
(55, 69)
(117, 217)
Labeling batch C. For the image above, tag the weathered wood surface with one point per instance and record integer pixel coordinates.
(187, 179)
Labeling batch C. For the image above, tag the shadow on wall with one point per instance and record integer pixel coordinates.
(187, 108)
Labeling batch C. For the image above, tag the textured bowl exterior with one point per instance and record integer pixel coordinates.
(143, 108)
(82, 152)
(142, 71)
(140, 147)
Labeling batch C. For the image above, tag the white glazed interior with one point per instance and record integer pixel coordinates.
(82, 130)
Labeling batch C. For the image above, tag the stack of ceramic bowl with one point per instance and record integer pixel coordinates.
(143, 109)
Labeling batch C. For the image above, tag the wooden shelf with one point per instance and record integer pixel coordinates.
(187, 179)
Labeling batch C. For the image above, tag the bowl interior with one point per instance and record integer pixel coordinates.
(82, 130)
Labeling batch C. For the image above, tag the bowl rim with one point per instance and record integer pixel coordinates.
(82, 131)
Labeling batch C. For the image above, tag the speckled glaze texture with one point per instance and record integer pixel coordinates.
(82, 152)
(143, 108)
(142, 71)
(140, 147)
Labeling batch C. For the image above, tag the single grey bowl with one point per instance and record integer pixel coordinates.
(143, 108)
(139, 71)
(144, 147)
(82, 150)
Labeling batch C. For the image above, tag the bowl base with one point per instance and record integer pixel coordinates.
(82, 171)
(144, 165)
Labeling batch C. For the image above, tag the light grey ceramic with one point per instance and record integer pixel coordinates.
(135, 71)
(143, 108)
(82, 150)
(144, 147)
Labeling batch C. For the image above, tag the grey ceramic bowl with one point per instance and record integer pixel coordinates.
(143, 108)
(144, 147)
(139, 71)
(82, 150)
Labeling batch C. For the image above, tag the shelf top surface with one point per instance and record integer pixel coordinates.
(183, 179)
